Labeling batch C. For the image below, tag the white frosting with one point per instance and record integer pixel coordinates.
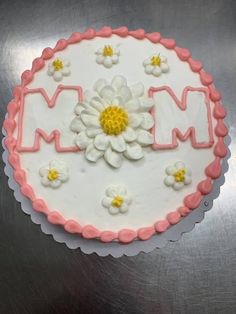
(156, 69)
(169, 116)
(37, 114)
(81, 197)
(117, 200)
(172, 171)
(128, 107)
(54, 174)
(58, 74)
(109, 60)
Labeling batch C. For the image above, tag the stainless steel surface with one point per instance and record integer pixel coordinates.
(197, 274)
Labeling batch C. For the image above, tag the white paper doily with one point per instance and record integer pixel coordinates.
(116, 249)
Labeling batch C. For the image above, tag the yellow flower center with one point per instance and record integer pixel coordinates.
(58, 65)
(107, 51)
(113, 120)
(117, 201)
(53, 174)
(180, 175)
(156, 60)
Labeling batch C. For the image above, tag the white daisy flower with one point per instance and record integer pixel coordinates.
(116, 200)
(113, 123)
(107, 56)
(59, 68)
(54, 174)
(156, 65)
(178, 176)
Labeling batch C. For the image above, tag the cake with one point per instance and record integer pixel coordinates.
(115, 135)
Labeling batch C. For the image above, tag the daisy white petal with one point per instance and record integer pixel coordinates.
(121, 190)
(57, 76)
(66, 63)
(93, 131)
(163, 59)
(101, 141)
(179, 165)
(90, 110)
(55, 183)
(115, 59)
(77, 125)
(107, 62)
(111, 191)
(178, 185)
(147, 121)
(187, 180)
(169, 180)
(137, 90)
(107, 93)
(106, 202)
(43, 171)
(135, 119)
(156, 71)
(125, 93)
(129, 135)
(145, 138)
(113, 210)
(146, 103)
(112, 158)
(117, 143)
(93, 154)
(171, 170)
(124, 208)
(99, 51)
(65, 71)
(97, 103)
(100, 59)
(134, 151)
(133, 105)
(164, 67)
(82, 140)
(118, 81)
(51, 70)
(45, 181)
(188, 171)
(128, 200)
(63, 177)
(89, 120)
(98, 86)
(146, 62)
(79, 108)
(116, 51)
(149, 69)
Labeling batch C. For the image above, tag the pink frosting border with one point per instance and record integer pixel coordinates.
(190, 202)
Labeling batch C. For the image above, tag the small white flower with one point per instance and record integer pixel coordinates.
(114, 122)
(156, 65)
(178, 176)
(54, 174)
(116, 200)
(107, 56)
(59, 68)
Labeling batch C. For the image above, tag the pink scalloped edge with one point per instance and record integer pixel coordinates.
(190, 202)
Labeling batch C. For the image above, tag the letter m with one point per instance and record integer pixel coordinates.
(187, 118)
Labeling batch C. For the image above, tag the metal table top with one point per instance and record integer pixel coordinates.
(197, 274)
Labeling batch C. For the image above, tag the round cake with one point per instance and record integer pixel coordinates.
(116, 134)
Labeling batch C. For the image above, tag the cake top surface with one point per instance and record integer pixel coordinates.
(116, 134)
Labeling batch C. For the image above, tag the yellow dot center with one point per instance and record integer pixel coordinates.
(113, 120)
(58, 65)
(53, 174)
(107, 51)
(117, 201)
(156, 60)
(180, 175)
